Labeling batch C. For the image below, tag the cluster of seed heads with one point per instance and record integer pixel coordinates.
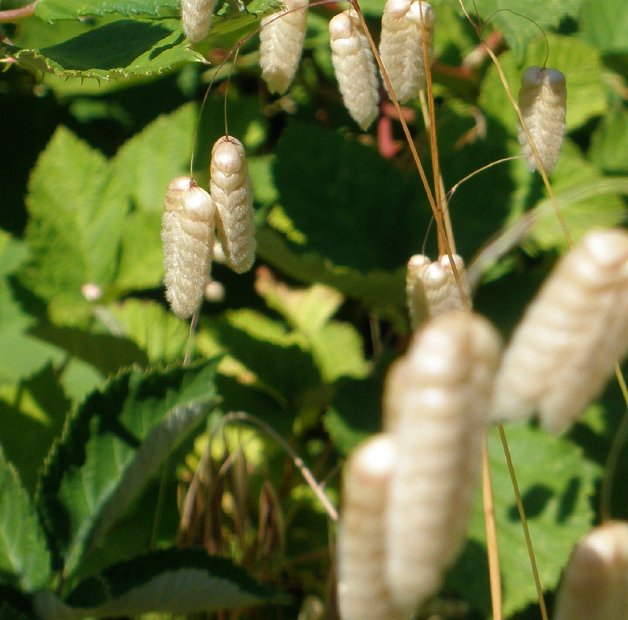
(432, 288)
(435, 406)
(190, 217)
(197, 17)
(408, 492)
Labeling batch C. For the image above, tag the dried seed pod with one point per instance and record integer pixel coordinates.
(187, 235)
(543, 101)
(230, 188)
(432, 289)
(362, 590)
(281, 45)
(196, 17)
(404, 24)
(436, 407)
(564, 350)
(595, 583)
(354, 67)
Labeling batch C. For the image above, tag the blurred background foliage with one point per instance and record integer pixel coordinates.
(100, 108)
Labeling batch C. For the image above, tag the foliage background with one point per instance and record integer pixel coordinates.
(99, 107)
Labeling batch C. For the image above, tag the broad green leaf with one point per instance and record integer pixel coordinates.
(22, 353)
(337, 347)
(556, 485)
(77, 209)
(148, 161)
(356, 410)
(141, 253)
(175, 581)
(579, 61)
(111, 447)
(153, 328)
(520, 20)
(52, 10)
(306, 310)
(24, 556)
(604, 23)
(113, 51)
(338, 351)
(349, 205)
(585, 198)
(383, 289)
(32, 413)
(609, 143)
(13, 252)
(262, 353)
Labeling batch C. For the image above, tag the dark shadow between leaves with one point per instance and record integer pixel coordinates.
(534, 501)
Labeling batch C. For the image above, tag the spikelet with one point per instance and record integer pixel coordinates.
(431, 288)
(563, 351)
(354, 67)
(281, 45)
(404, 24)
(595, 583)
(230, 188)
(362, 590)
(543, 101)
(415, 293)
(436, 407)
(196, 17)
(187, 235)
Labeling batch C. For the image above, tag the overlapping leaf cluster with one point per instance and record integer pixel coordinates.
(87, 420)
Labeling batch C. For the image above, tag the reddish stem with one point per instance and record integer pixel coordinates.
(14, 15)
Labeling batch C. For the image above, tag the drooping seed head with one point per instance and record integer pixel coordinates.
(196, 18)
(565, 347)
(543, 101)
(594, 585)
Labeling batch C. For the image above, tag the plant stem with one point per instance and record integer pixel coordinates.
(14, 15)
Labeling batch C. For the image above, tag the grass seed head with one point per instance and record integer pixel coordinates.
(435, 406)
(543, 104)
(281, 45)
(362, 590)
(354, 67)
(565, 347)
(405, 24)
(230, 187)
(196, 17)
(595, 582)
(187, 235)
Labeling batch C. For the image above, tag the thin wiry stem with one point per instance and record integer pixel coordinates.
(13, 15)
(524, 522)
(488, 505)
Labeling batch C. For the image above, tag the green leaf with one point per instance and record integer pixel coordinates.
(161, 151)
(24, 557)
(118, 50)
(520, 20)
(112, 446)
(556, 485)
(306, 310)
(609, 143)
(337, 347)
(579, 61)
(33, 412)
(604, 23)
(153, 328)
(52, 10)
(77, 209)
(262, 353)
(348, 205)
(383, 289)
(585, 198)
(176, 581)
